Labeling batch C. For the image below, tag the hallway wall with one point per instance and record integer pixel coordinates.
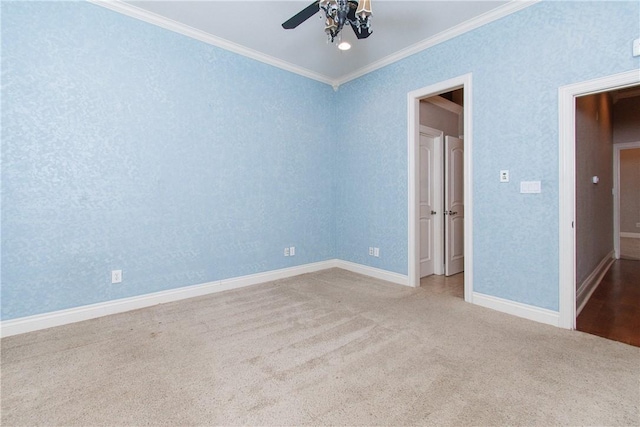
(594, 202)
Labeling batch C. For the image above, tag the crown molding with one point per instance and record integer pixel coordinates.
(177, 27)
(185, 30)
(480, 20)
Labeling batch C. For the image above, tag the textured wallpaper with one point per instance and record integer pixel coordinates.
(127, 146)
(517, 65)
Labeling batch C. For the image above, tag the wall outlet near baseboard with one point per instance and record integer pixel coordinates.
(116, 276)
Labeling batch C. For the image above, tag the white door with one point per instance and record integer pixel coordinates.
(454, 205)
(426, 200)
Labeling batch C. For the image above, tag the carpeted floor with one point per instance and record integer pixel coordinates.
(328, 348)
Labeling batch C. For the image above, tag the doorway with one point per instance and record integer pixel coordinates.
(626, 208)
(461, 215)
(567, 203)
(607, 286)
(440, 184)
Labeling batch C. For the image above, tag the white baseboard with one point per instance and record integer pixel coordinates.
(526, 311)
(630, 235)
(590, 284)
(62, 317)
(92, 311)
(377, 273)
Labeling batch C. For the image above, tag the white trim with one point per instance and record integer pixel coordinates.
(472, 24)
(630, 235)
(525, 311)
(376, 273)
(567, 145)
(617, 148)
(92, 311)
(413, 130)
(78, 314)
(590, 284)
(180, 28)
(169, 24)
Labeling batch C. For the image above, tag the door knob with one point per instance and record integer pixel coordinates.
(433, 212)
(452, 213)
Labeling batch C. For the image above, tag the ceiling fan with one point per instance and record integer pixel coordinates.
(356, 13)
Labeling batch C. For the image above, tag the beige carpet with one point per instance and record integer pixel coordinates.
(328, 348)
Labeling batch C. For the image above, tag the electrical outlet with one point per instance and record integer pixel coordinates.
(292, 251)
(370, 250)
(504, 175)
(286, 251)
(116, 276)
(376, 252)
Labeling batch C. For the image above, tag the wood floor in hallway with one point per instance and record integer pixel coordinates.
(613, 311)
(451, 285)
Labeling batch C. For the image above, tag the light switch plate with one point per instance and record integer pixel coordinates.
(530, 187)
(636, 47)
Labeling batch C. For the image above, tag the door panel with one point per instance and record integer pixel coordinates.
(454, 206)
(426, 165)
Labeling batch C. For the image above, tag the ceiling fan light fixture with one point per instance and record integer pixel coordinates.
(344, 46)
(330, 26)
(364, 9)
(337, 14)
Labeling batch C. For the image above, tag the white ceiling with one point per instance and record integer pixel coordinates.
(253, 28)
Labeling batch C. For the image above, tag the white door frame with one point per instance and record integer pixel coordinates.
(413, 127)
(438, 205)
(567, 180)
(616, 191)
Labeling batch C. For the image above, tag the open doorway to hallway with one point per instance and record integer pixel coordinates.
(607, 212)
(439, 190)
(567, 260)
(440, 186)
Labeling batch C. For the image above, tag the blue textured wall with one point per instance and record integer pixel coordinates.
(518, 63)
(127, 146)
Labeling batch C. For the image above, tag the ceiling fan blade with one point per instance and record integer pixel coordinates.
(361, 35)
(302, 16)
